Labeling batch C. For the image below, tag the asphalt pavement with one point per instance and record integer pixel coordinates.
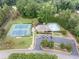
(39, 38)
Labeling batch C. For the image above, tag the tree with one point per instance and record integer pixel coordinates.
(77, 6)
(51, 44)
(71, 24)
(62, 45)
(77, 30)
(3, 13)
(10, 2)
(66, 46)
(42, 1)
(2, 33)
(20, 4)
(63, 17)
(44, 43)
(31, 10)
(68, 20)
(27, 8)
(47, 10)
(1, 3)
(5, 9)
(69, 47)
(64, 4)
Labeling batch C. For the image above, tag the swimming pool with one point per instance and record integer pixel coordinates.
(19, 30)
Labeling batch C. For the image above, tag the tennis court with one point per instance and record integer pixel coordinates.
(53, 27)
(19, 30)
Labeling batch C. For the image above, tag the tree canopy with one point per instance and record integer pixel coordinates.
(47, 10)
(60, 11)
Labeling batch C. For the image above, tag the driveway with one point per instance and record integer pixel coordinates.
(39, 38)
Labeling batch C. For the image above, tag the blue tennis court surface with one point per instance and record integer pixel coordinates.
(19, 30)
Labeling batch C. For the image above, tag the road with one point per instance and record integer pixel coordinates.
(6, 53)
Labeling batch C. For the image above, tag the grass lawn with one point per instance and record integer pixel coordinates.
(18, 43)
(23, 42)
(57, 34)
(21, 20)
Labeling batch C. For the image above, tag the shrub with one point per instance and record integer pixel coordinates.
(62, 46)
(17, 56)
(8, 44)
(2, 33)
(77, 39)
(64, 32)
(51, 44)
(32, 56)
(69, 47)
(44, 43)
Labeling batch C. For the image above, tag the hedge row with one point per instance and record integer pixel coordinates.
(32, 56)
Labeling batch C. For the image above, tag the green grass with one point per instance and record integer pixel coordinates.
(25, 20)
(32, 56)
(18, 43)
(55, 34)
(21, 20)
(24, 42)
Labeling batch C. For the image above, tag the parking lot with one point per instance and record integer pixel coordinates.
(39, 38)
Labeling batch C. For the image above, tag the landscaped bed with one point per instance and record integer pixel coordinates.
(32, 56)
(53, 46)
